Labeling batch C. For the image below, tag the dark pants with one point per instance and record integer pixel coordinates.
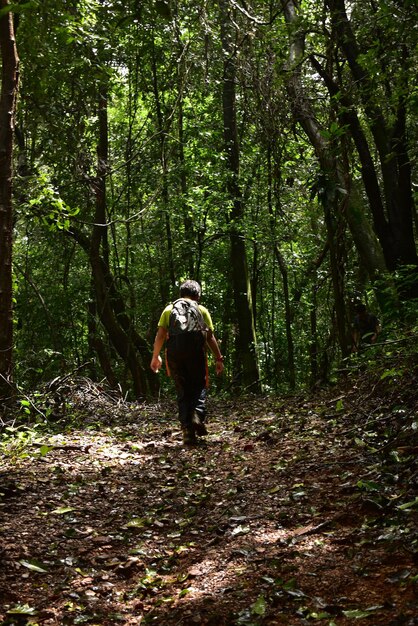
(187, 365)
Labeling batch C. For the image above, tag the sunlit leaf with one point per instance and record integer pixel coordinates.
(296, 593)
(392, 373)
(184, 592)
(240, 530)
(62, 510)
(408, 505)
(22, 609)
(43, 450)
(33, 566)
(136, 522)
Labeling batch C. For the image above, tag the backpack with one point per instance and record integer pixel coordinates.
(186, 326)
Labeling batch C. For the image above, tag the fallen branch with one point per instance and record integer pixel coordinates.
(312, 530)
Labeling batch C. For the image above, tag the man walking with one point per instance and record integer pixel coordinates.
(186, 327)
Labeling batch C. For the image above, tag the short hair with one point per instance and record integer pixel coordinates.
(191, 289)
(360, 308)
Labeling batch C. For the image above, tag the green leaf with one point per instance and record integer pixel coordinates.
(43, 450)
(259, 607)
(33, 566)
(62, 510)
(408, 505)
(289, 584)
(184, 592)
(21, 609)
(369, 485)
(137, 522)
(391, 373)
(356, 614)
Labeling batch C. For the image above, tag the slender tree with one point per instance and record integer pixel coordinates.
(330, 186)
(9, 87)
(246, 356)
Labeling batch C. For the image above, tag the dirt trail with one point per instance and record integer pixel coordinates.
(291, 513)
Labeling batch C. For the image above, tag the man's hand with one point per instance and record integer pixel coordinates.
(156, 361)
(156, 364)
(219, 367)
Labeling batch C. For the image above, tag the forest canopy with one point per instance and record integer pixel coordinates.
(267, 150)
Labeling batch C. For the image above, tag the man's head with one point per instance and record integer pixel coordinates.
(190, 289)
(360, 309)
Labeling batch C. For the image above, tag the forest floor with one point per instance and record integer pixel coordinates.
(296, 510)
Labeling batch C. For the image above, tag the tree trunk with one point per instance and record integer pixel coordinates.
(285, 279)
(368, 247)
(313, 343)
(97, 348)
(109, 306)
(395, 228)
(333, 203)
(373, 258)
(168, 275)
(9, 87)
(190, 238)
(246, 365)
(334, 213)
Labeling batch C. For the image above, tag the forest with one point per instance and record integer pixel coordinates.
(267, 149)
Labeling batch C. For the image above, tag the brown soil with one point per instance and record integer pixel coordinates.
(294, 511)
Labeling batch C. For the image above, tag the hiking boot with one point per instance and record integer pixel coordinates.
(189, 437)
(199, 426)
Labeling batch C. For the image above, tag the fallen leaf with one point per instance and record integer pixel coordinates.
(34, 567)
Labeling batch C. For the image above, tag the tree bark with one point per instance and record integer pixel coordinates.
(246, 365)
(285, 280)
(97, 348)
(333, 203)
(313, 343)
(395, 230)
(168, 274)
(370, 251)
(9, 87)
(190, 236)
(110, 308)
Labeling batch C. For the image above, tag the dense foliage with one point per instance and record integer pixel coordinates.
(266, 150)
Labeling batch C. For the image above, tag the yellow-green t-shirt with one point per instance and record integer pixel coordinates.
(165, 317)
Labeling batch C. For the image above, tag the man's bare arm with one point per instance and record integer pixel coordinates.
(214, 348)
(159, 341)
